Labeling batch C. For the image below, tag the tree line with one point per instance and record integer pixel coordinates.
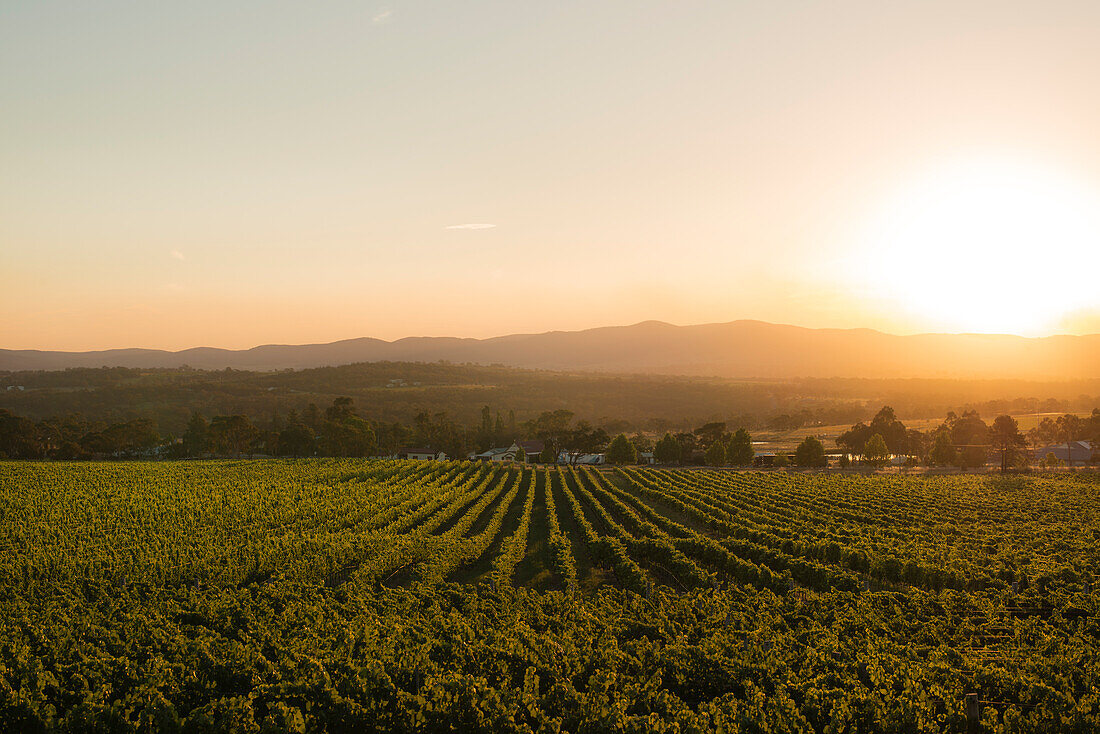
(963, 440)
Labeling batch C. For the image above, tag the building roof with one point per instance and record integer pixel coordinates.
(492, 452)
(531, 447)
(1081, 450)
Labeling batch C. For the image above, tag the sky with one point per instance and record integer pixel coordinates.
(239, 173)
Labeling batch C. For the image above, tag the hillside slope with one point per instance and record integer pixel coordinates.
(735, 349)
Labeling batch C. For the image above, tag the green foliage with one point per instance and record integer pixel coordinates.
(811, 452)
(943, 451)
(667, 450)
(885, 425)
(361, 595)
(344, 433)
(621, 451)
(716, 454)
(970, 435)
(740, 450)
(196, 440)
(781, 459)
(296, 439)
(232, 435)
(875, 452)
(1005, 438)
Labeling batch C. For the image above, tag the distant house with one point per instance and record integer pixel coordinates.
(494, 455)
(566, 457)
(525, 451)
(646, 457)
(763, 460)
(421, 454)
(1074, 453)
(531, 449)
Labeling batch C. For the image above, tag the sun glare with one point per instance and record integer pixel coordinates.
(984, 245)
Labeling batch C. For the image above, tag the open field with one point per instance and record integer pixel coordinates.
(354, 595)
(773, 440)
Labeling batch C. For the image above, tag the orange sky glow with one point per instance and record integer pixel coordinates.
(176, 175)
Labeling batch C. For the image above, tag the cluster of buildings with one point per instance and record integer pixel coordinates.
(527, 452)
(1072, 453)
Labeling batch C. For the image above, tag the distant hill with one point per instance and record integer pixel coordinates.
(738, 349)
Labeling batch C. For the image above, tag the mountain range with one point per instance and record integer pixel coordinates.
(737, 349)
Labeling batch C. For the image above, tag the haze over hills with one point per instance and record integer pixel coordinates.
(738, 349)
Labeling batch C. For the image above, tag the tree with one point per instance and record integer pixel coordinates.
(484, 437)
(667, 450)
(855, 438)
(584, 439)
(296, 439)
(943, 451)
(549, 453)
(781, 459)
(1094, 433)
(875, 451)
(886, 424)
(196, 438)
(810, 452)
(232, 434)
(917, 444)
(312, 417)
(641, 442)
(970, 435)
(346, 434)
(710, 433)
(551, 427)
(1050, 461)
(1044, 434)
(1070, 429)
(716, 454)
(740, 451)
(687, 447)
(621, 451)
(1005, 436)
(893, 432)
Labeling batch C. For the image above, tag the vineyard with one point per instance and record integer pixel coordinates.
(354, 595)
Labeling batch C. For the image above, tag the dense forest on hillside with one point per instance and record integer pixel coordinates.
(399, 391)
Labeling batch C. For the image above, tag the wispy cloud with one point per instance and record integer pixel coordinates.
(176, 254)
(470, 226)
(382, 16)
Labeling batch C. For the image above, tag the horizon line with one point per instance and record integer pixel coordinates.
(645, 322)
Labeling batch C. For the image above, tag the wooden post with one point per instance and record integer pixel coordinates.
(973, 713)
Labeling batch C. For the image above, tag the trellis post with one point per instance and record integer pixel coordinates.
(973, 713)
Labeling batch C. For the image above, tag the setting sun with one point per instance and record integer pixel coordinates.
(984, 244)
(530, 367)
